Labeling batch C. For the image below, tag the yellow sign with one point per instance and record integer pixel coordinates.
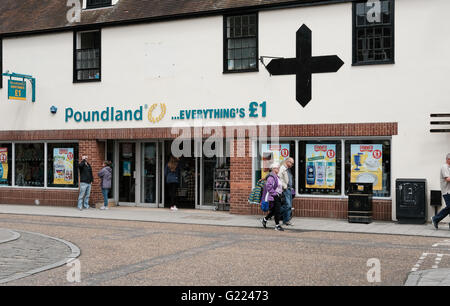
(17, 90)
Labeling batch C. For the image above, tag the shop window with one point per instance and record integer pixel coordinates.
(97, 3)
(1, 63)
(373, 32)
(5, 164)
(368, 161)
(319, 167)
(273, 152)
(29, 164)
(62, 165)
(241, 43)
(87, 56)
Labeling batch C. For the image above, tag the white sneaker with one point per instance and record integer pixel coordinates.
(173, 208)
(103, 207)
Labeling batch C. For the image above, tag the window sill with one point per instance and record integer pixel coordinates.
(87, 81)
(390, 62)
(240, 71)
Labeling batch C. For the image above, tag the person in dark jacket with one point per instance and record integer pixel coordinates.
(272, 194)
(86, 179)
(106, 176)
(172, 176)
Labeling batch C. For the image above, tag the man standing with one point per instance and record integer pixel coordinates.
(287, 182)
(445, 188)
(86, 179)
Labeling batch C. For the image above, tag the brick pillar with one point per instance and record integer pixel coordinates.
(240, 176)
(95, 150)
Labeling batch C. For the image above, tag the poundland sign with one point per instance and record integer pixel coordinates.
(112, 114)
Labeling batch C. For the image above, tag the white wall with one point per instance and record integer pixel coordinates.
(179, 63)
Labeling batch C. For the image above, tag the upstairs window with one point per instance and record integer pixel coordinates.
(241, 43)
(373, 32)
(97, 3)
(87, 56)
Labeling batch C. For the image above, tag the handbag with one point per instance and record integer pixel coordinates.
(265, 203)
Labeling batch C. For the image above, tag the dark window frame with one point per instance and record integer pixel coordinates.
(355, 61)
(33, 160)
(386, 164)
(301, 165)
(9, 146)
(75, 70)
(225, 43)
(100, 4)
(50, 163)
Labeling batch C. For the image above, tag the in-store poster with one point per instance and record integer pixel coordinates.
(126, 168)
(271, 153)
(321, 166)
(367, 161)
(3, 165)
(63, 166)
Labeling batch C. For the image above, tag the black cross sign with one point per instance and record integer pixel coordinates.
(304, 65)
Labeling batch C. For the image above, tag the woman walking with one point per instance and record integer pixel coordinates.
(272, 193)
(106, 176)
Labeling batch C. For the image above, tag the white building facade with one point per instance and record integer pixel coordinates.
(123, 89)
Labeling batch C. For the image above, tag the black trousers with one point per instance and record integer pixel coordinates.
(275, 210)
(172, 193)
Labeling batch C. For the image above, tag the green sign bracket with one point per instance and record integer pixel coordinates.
(23, 77)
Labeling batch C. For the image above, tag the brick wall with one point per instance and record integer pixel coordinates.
(95, 150)
(330, 208)
(241, 166)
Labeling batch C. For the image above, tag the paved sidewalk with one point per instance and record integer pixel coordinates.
(220, 218)
(435, 277)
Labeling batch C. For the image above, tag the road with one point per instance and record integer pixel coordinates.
(150, 253)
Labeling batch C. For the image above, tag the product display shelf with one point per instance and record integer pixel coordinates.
(222, 189)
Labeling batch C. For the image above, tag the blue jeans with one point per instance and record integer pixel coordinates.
(85, 192)
(105, 192)
(286, 209)
(445, 211)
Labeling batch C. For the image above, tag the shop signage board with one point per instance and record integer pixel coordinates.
(17, 90)
(63, 166)
(321, 166)
(273, 153)
(367, 161)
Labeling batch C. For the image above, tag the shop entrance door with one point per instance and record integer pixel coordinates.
(127, 173)
(183, 193)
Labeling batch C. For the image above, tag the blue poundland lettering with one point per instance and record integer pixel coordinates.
(182, 114)
(138, 112)
(232, 113)
(119, 115)
(69, 113)
(242, 113)
(105, 115)
(79, 116)
(188, 114)
(94, 115)
(130, 113)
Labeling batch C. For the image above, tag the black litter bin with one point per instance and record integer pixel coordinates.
(411, 201)
(360, 203)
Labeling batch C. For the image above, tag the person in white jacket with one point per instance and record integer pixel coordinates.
(287, 182)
